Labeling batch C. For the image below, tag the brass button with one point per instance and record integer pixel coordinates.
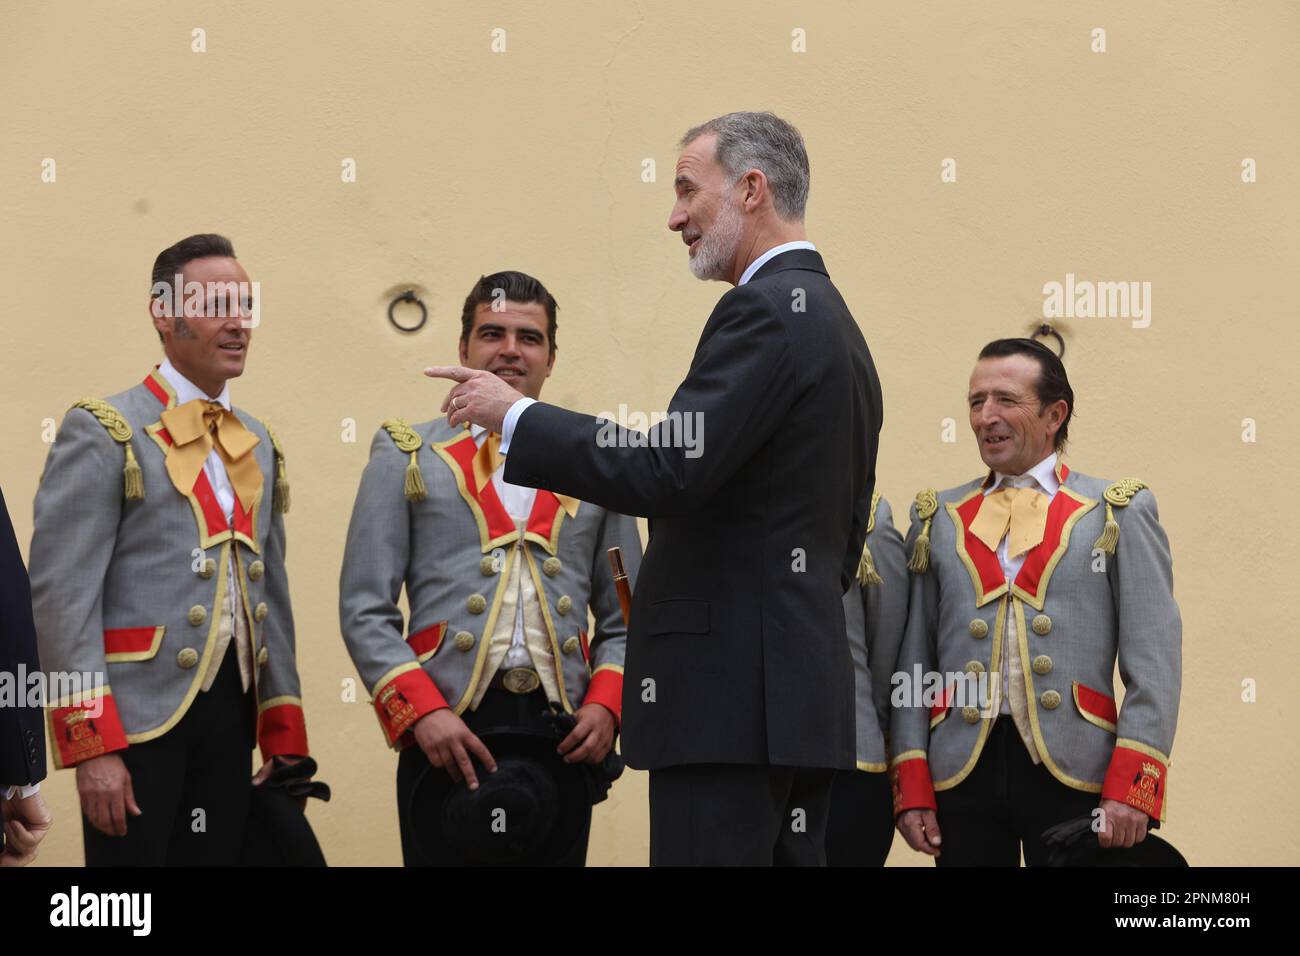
(263, 655)
(970, 714)
(570, 645)
(198, 614)
(564, 603)
(477, 604)
(974, 667)
(1042, 624)
(551, 567)
(187, 657)
(978, 628)
(1042, 664)
(488, 565)
(259, 612)
(207, 569)
(464, 640)
(256, 570)
(1050, 700)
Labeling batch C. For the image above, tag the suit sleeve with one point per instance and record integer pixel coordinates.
(374, 568)
(610, 642)
(1150, 659)
(885, 606)
(22, 734)
(78, 506)
(910, 723)
(739, 387)
(281, 724)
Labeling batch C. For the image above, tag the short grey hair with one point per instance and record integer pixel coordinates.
(766, 142)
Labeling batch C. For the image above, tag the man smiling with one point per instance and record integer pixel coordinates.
(975, 784)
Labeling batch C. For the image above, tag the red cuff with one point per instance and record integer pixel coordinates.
(83, 731)
(282, 729)
(606, 689)
(404, 700)
(1138, 779)
(911, 786)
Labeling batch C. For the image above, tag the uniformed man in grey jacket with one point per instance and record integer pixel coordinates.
(499, 579)
(1028, 584)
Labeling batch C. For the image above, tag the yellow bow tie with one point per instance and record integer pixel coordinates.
(488, 459)
(1018, 513)
(196, 428)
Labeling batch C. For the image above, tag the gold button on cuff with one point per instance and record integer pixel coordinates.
(1042, 664)
(551, 567)
(978, 628)
(1042, 624)
(1050, 700)
(487, 565)
(187, 657)
(256, 570)
(477, 604)
(974, 667)
(260, 612)
(570, 645)
(263, 655)
(564, 604)
(970, 714)
(207, 569)
(464, 640)
(198, 614)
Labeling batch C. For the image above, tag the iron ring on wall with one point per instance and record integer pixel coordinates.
(1045, 330)
(408, 296)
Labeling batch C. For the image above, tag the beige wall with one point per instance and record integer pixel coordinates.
(1123, 165)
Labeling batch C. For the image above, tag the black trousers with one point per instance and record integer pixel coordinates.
(739, 815)
(499, 708)
(201, 764)
(1005, 804)
(861, 826)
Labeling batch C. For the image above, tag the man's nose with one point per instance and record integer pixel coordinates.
(677, 219)
(509, 345)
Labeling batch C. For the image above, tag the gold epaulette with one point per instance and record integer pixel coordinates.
(927, 503)
(1118, 494)
(406, 440)
(867, 574)
(120, 432)
(280, 498)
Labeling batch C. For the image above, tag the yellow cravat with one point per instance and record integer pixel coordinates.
(1018, 513)
(198, 426)
(488, 459)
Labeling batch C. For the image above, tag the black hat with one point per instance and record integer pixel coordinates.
(1074, 843)
(278, 833)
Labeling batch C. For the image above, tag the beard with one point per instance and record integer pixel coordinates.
(717, 249)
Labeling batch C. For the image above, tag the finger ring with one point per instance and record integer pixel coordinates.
(455, 402)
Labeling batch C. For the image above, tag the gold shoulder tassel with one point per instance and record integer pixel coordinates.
(406, 440)
(867, 574)
(120, 432)
(280, 496)
(1117, 495)
(927, 503)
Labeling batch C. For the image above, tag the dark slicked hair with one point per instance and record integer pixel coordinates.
(172, 259)
(508, 286)
(1053, 384)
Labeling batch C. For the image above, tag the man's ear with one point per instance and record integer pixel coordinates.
(158, 312)
(550, 363)
(463, 351)
(755, 184)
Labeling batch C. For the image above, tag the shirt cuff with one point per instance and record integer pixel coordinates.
(23, 792)
(511, 420)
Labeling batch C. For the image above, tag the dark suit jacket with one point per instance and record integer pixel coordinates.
(737, 617)
(22, 728)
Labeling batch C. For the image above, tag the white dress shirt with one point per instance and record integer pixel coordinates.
(1043, 477)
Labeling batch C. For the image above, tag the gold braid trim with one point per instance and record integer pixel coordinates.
(927, 503)
(280, 497)
(867, 573)
(120, 432)
(1117, 495)
(406, 440)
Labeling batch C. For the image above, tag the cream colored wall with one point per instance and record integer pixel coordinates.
(1123, 165)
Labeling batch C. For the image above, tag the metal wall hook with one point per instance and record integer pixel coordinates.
(1044, 330)
(408, 296)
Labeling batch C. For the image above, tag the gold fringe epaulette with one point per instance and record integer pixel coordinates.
(867, 573)
(280, 497)
(120, 432)
(1118, 494)
(406, 440)
(927, 503)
